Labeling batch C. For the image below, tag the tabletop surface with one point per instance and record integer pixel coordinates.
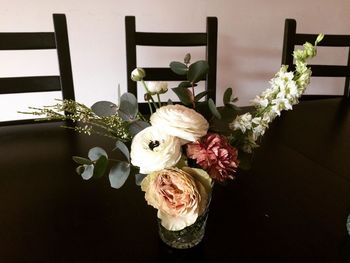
(291, 206)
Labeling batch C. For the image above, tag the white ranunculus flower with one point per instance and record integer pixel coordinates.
(153, 150)
(157, 87)
(180, 121)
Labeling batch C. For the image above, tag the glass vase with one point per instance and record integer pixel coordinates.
(188, 237)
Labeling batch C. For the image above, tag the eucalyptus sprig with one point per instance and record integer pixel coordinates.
(194, 73)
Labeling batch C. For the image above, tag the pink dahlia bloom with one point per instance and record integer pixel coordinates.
(214, 154)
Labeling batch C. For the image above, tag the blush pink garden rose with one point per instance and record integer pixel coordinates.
(214, 154)
(180, 195)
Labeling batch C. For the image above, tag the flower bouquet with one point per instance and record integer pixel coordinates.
(177, 153)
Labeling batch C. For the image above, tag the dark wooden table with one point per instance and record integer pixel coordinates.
(290, 207)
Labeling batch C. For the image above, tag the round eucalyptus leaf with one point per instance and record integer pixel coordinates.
(137, 126)
(184, 95)
(80, 169)
(118, 174)
(185, 84)
(88, 171)
(123, 148)
(96, 152)
(197, 71)
(139, 178)
(178, 68)
(100, 166)
(128, 106)
(104, 108)
(81, 160)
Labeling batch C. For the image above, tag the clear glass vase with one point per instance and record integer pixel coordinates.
(187, 237)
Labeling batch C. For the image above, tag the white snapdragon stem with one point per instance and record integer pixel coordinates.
(286, 88)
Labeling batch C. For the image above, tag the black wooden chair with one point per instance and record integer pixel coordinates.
(134, 38)
(40, 40)
(291, 39)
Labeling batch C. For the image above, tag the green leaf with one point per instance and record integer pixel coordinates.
(139, 178)
(136, 126)
(227, 96)
(81, 160)
(104, 108)
(118, 174)
(80, 169)
(200, 95)
(184, 95)
(88, 171)
(96, 152)
(100, 166)
(213, 109)
(185, 84)
(128, 107)
(178, 68)
(123, 148)
(197, 71)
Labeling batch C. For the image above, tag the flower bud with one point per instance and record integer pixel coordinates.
(157, 87)
(187, 58)
(138, 74)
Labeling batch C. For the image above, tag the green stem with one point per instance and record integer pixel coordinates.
(152, 100)
(193, 102)
(159, 102)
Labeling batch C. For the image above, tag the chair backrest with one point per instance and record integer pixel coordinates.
(40, 40)
(207, 39)
(291, 39)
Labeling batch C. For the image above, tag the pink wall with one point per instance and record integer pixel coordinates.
(250, 40)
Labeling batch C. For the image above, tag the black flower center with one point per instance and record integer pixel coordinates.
(153, 144)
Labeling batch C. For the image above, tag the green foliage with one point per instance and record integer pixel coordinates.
(178, 68)
(96, 152)
(123, 149)
(213, 109)
(184, 95)
(229, 99)
(104, 108)
(197, 71)
(128, 107)
(136, 126)
(81, 160)
(118, 174)
(95, 166)
(194, 73)
(139, 178)
(200, 95)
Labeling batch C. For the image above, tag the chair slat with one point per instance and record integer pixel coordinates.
(207, 39)
(29, 84)
(26, 41)
(329, 71)
(292, 38)
(162, 74)
(328, 40)
(171, 39)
